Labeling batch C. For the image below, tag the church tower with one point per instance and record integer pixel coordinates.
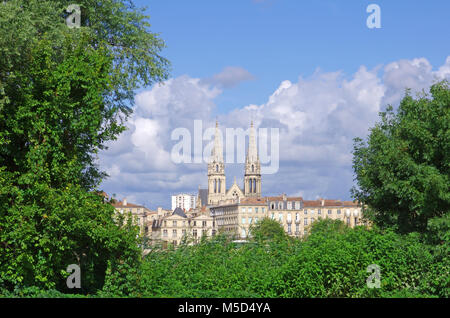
(216, 171)
(252, 176)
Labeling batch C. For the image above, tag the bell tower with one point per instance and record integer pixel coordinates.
(216, 171)
(252, 176)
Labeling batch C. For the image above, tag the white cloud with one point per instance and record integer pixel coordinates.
(229, 77)
(318, 118)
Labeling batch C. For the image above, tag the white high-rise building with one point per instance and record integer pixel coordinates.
(184, 201)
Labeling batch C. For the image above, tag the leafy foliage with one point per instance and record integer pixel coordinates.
(331, 262)
(64, 93)
(403, 172)
(267, 230)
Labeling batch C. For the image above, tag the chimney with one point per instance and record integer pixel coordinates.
(125, 202)
(322, 202)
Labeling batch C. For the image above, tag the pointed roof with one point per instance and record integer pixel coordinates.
(217, 152)
(252, 153)
(180, 212)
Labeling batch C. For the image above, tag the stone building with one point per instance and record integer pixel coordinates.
(180, 226)
(293, 213)
(296, 214)
(140, 214)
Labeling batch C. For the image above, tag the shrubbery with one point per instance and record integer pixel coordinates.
(331, 262)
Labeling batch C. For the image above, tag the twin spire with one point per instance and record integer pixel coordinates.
(217, 151)
(216, 171)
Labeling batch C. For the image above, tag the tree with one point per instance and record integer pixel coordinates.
(268, 230)
(402, 172)
(64, 93)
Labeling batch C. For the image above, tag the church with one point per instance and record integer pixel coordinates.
(217, 194)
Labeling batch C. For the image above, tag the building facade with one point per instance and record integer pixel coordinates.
(142, 216)
(181, 227)
(184, 201)
(294, 214)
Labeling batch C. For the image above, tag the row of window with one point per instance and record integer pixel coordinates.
(306, 212)
(183, 233)
(229, 220)
(298, 220)
(250, 220)
(296, 205)
(183, 223)
(250, 210)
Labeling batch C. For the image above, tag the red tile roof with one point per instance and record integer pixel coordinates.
(261, 201)
(129, 205)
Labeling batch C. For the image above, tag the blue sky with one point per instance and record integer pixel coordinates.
(277, 40)
(311, 68)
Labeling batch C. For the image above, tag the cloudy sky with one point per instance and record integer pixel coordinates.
(312, 69)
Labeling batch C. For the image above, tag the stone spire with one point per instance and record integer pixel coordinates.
(217, 152)
(252, 176)
(252, 153)
(216, 171)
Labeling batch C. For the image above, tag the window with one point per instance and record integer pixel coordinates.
(194, 233)
(174, 243)
(272, 216)
(289, 228)
(195, 223)
(249, 220)
(183, 232)
(280, 217)
(256, 210)
(348, 221)
(174, 223)
(306, 221)
(306, 212)
(297, 217)
(243, 209)
(297, 228)
(289, 205)
(164, 233)
(319, 211)
(256, 220)
(329, 211)
(243, 234)
(338, 211)
(263, 210)
(289, 218)
(249, 210)
(174, 233)
(243, 220)
(165, 223)
(204, 223)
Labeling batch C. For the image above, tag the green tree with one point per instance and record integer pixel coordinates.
(402, 172)
(64, 93)
(268, 230)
